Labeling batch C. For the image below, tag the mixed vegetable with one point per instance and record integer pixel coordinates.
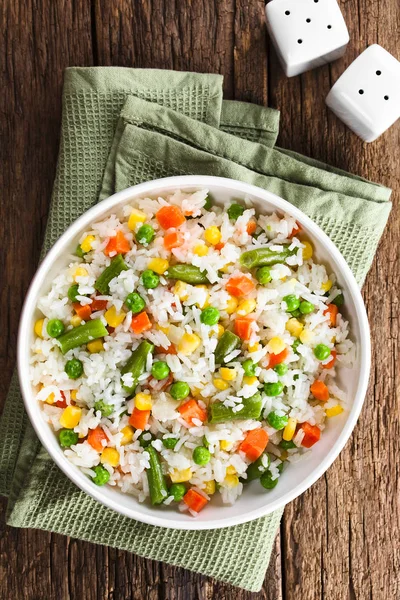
(234, 327)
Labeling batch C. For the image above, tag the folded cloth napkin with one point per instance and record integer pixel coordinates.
(125, 126)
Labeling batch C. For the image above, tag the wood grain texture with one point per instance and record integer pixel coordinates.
(338, 541)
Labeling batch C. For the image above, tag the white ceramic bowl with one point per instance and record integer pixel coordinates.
(255, 501)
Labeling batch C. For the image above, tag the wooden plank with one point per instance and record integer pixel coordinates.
(38, 40)
(339, 537)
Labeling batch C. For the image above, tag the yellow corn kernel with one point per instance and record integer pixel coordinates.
(127, 435)
(220, 384)
(143, 401)
(225, 268)
(282, 278)
(284, 455)
(230, 470)
(80, 272)
(38, 351)
(110, 456)
(294, 327)
(87, 243)
(334, 411)
(254, 347)
(76, 321)
(200, 250)
(95, 346)
(158, 265)
(276, 345)
(136, 216)
(289, 430)
(246, 307)
(73, 394)
(228, 374)
(306, 336)
(180, 289)
(333, 339)
(195, 392)
(163, 329)
(307, 251)
(225, 445)
(50, 399)
(113, 317)
(38, 328)
(70, 417)
(212, 235)
(326, 286)
(209, 487)
(231, 305)
(231, 481)
(189, 343)
(181, 475)
(250, 380)
(220, 330)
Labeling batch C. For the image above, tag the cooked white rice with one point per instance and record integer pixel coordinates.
(174, 313)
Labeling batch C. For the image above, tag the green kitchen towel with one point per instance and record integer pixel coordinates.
(124, 126)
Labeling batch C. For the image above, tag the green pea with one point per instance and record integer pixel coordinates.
(281, 369)
(150, 279)
(235, 211)
(145, 439)
(201, 455)
(101, 475)
(292, 302)
(55, 328)
(209, 316)
(177, 490)
(74, 368)
(296, 313)
(67, 438)
(105, 409)
(179, 390)
(267, 482)
(79, 252)
(160, 370)
(295, 346)
(73, 292)
(135, 302)
(276, 421)
(273, 389)
(170, 443)
(338, 300)
(306, 307)
(145, 234)
(287, 445)
(321, 351)
(263, 275)
(207, 203)
(249, 367)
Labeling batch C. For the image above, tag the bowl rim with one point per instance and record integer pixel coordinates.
(150, 187)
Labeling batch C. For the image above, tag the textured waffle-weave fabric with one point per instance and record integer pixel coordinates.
(125, 126)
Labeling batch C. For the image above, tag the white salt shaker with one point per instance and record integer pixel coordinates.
(367, 96)
(306, 33)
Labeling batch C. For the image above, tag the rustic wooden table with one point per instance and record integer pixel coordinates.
(340, 539)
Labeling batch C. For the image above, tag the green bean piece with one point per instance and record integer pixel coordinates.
(145, 439)
(187, 273)
(227, 343)
(79, 252)
(157, 486)
(264, 257)
(92, 330)
(116, 267)
(338, 300)
(251, 410)
(287, 445)
(257, 468)
(136, 364)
